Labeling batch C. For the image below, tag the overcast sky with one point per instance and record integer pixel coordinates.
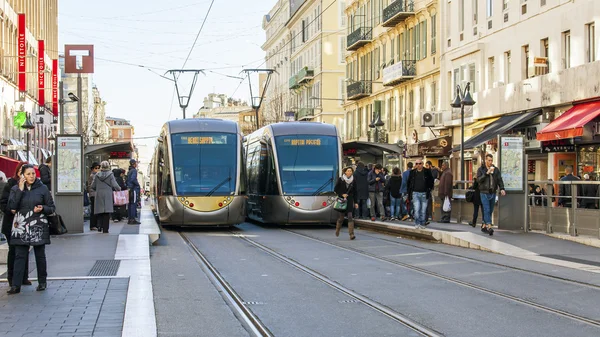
(135, 41)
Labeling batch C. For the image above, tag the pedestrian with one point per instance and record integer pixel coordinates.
(565, 190)
(362, 190)
(435, 173)
(117, 215)
(134, 192)
(345, 188)
(445, 190)
(420, 185)
(31, 202)
(7, 221)
(404, 191)
(94, 169)
(393, 187)
(104, 184)
(589, 191)
(490, 181)
(476, 204)
(376, 186)
(386, 192)
(46, 173)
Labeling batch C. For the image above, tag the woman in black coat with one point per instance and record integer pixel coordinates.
(31, 203)
(345, 188)
(7, 221)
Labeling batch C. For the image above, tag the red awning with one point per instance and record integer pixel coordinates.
(9, 165)
(570, 124)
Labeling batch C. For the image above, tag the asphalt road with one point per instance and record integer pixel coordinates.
(292, 303)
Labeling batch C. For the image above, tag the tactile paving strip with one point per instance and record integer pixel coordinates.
(105, 268)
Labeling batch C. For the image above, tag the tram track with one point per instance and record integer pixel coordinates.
(240, 309)
(562, 313)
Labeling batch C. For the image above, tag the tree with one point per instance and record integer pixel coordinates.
(275, 110)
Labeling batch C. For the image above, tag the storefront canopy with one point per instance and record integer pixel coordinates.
(482, 123)
(375, 149)
(107, 148)
(502, 125)
(570, 124)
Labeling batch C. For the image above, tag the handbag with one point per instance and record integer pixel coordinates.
(57, 225)
(470, 195)
(120, 198)
(447, 205)
(340, 205)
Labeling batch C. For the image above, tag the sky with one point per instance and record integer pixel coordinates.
(137, 41)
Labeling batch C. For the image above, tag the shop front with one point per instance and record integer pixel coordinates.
(389, 155)
(435, 150)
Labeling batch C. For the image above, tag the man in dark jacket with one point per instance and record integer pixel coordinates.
(445, 190)
(404, 191)
(134, 192)
(590, 191)
(376, 181)
(46, 173)
(420, 185)
(565, 190)
(362, 190)
(490, 181)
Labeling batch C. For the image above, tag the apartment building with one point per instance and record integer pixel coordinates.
(393, 76)
(533, 70)
(316, 60)
(23, 66)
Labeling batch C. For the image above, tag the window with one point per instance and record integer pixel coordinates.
(566, 37)
(393, 113)
(424, 40)
(472, 77)
(544, 47)
(304, 31)
(308, 164)
(342, 52)
(392, 50)
(411, 108)
(205, 163)
(504, 5)
(491, 72)
(490, 8)
(475, 7)
(434, 33)
(416, 42)
(542, 2)
(525, 61)
(359, 118)
(422, 98)
(461, 15)
(342, 6)
(507, 67)
(401, 112)
(349, 124)
(384, 57)
(590, 35)
(434, 95)
(342, 96)
(377, 63)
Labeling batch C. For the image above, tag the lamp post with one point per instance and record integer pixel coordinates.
(462, 99)
(29, 126)
(376, 124)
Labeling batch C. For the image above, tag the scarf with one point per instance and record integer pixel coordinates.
(348, 180)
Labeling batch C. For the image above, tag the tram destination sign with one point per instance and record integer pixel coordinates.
(204, 140)
(302, 142)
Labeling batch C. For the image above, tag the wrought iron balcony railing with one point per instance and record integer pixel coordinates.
(358, 90)
(359, 38)
(399, 72)
(397, 12)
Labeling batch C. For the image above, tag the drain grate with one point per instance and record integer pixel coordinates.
(349, 301)
(254, 303)
(105, 268)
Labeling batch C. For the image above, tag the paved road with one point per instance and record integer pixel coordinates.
(291, 303)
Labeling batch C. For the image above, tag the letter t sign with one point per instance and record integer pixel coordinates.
(79, 59)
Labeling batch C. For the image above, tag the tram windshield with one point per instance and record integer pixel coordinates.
(308, 164)
(204, 163)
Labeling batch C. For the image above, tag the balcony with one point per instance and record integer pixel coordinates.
(359, 38)
(399, 72)
(293, 82)
(305, 113)
(358, 90)
(397, 12)
(305, 75)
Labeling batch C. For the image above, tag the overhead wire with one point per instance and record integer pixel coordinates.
(198, 35)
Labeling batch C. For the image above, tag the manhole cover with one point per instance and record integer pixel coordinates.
(105, 268)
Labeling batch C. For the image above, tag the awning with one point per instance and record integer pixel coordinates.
(570, 124)
(375, 149)
(107, 148)
(482, 123)
(502, 125)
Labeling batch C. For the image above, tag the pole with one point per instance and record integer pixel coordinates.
(257, 122)
(79, 106)
(462, 142)
(61, 113)
(183, 112)
(27, 145)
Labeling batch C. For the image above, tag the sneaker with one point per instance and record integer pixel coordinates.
(404, 218)
(427, 222)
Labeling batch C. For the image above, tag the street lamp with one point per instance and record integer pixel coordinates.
(376, 124)
(462, 99)
(29, 126)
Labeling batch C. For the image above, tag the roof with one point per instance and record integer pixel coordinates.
(109, 147)
(303, 128)
(202, 125)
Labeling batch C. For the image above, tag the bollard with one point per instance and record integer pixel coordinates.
(572, 227)
(549, 204)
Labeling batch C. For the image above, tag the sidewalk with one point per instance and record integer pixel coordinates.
(98, 285)
(531, 246)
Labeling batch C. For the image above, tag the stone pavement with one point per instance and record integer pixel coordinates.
(98, 285)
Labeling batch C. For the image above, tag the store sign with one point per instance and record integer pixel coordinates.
(41, 78)
(559, 145)
(439, 147)
(350, 152)
(120, 155)
(22, 49)
(54, 91)
(79, 59)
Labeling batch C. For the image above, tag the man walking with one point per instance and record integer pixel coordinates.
(445, 190)
(134, 192)
(362, 191)
(420, 184)
(404, 191)
(46, 173)
(376, 185)
(489, 180)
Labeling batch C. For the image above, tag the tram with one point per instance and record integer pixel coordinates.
(291, 170)
(196, 174)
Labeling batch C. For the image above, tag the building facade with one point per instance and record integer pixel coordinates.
(41, 24)
(393, 76)
(528, 62)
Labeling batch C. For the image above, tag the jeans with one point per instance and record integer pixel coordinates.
(21, 268)
(376, 197)
(419, 203)
(132, 206)
(395, 206)
(362, 211)
(403, 208)
(488, 200)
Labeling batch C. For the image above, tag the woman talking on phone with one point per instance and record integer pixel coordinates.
(489, 180)
(31, 202)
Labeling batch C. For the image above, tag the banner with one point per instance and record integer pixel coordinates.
(55, 91)
(22, 48)
(41, 82)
